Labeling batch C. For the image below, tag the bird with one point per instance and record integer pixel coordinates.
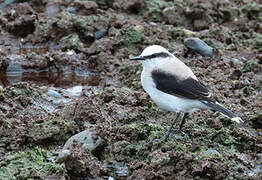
(174, 87)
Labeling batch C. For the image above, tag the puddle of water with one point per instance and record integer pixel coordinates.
(54, 79)
(5, 3)
(255, 171)
(118, 170)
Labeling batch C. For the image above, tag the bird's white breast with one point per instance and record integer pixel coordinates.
(167, 101)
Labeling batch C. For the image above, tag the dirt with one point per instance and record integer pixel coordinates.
(64, 68)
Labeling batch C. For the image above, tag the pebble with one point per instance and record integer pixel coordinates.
(211, 152)
(63, 155)
(236, 62)
(53, 93)
(86, 139)
(198, 46)
(100, 33)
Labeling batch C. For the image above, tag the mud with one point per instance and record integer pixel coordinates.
(64, 69)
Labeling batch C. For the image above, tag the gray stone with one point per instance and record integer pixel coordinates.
(63, 155)
(86, 138)
(100, 33)
(198, 46)
(211, 152)
(53, 93)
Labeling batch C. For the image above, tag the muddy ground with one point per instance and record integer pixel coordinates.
(64, 69)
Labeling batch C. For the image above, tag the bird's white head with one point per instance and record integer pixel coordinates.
(153, 53)
(154, 49)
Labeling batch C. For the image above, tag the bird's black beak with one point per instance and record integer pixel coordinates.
(137, 58)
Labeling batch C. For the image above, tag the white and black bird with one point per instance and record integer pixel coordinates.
(174, 87)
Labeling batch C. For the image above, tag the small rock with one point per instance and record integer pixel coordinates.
(236, 61)
(1, 89)
(211, 152)
(75, 91)
(188, 33)
(100, 33)
(78, 160)
(53, 93)
(63, 155)
(86, 138)
(198, 46)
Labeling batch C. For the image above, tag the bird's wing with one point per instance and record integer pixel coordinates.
(186, 88)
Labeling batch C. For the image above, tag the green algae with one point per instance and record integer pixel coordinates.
(21, 89)
(133, 35)
(33, 164)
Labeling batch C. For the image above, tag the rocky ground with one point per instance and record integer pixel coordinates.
(64, 72)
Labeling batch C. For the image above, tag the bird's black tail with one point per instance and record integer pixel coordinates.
(218, 107)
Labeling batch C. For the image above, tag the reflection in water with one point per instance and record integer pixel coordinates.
(55, 79)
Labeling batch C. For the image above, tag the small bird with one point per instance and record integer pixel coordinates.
(174, 87)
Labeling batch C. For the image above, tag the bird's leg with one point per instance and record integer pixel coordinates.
(172, 124)
(183, 121)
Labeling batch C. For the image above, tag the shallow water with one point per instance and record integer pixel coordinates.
(55, 79)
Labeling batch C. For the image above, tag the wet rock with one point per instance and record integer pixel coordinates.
(132, 6)
(118, 169)
(54, 93)
(100, 33)
(85, 7)
(75, 91)
(63, 156)
(88, 140)
(236, 62)
(198, 46)
(20, 20)
(211, 152)
(78, 160)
